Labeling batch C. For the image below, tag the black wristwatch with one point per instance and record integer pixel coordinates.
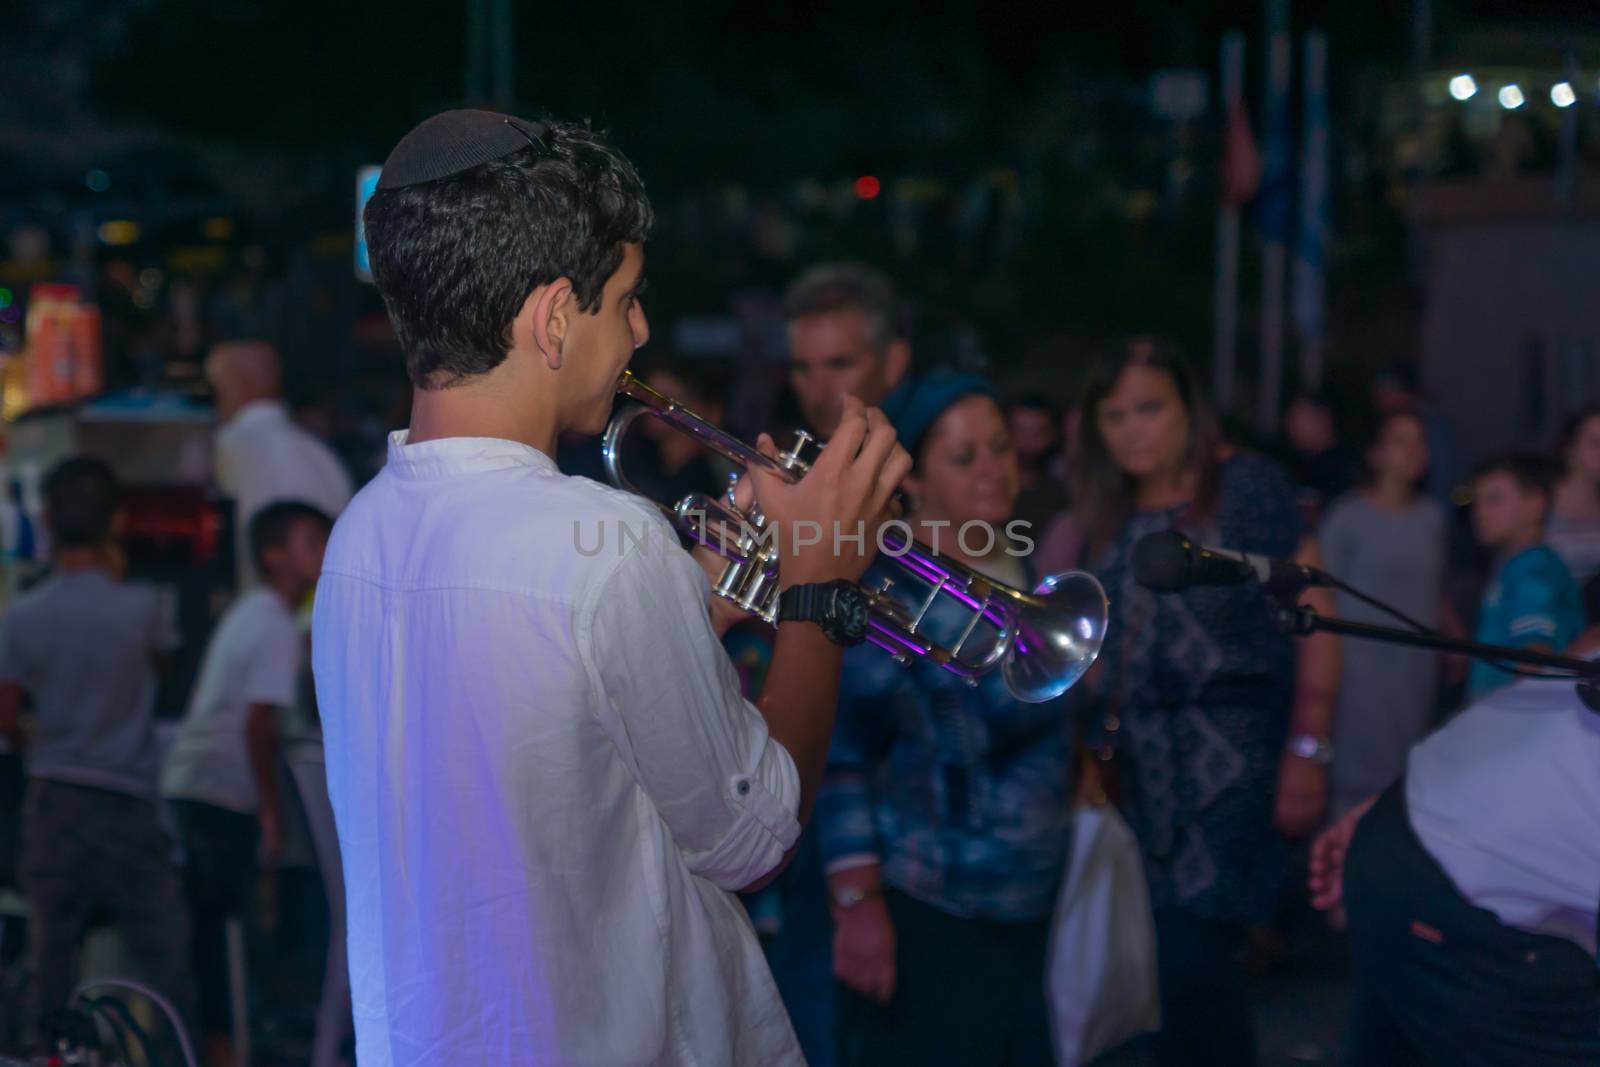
(840, 608)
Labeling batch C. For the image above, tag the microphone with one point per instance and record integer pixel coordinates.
(1168, 562)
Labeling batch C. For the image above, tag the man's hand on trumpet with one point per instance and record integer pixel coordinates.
(827, 523)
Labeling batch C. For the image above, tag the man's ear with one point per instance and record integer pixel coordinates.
(546, 316)
(896, 361)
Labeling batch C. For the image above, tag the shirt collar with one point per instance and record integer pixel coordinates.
(447, 456)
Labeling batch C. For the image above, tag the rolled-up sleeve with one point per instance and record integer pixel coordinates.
(729, 793)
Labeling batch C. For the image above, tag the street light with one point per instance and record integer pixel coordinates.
(1463, 87)
(1562, 94)
(1511, 97)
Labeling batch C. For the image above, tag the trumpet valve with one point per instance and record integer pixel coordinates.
(792, 459)
(933, 595)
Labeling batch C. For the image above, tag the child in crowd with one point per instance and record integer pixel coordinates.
(84, 646)
(1388, 538)
(221, 775)
(1532, 601)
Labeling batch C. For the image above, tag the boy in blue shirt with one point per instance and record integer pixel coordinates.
(1532, 601)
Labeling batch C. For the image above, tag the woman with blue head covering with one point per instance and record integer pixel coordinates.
(944, 813)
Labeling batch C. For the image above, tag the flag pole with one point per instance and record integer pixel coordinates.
(1274, 215)
(1311, 236)
(1225, 291)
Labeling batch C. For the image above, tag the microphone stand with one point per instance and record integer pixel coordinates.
(1301, 621)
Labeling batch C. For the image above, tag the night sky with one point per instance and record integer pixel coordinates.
(704, 83)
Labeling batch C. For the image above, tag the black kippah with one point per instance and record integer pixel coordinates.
(454, 141)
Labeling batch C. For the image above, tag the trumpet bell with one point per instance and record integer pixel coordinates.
(1058, 638)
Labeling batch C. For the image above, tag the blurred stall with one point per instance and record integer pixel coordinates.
(158, 443)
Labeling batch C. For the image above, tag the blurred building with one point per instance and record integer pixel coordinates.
(1501, 185)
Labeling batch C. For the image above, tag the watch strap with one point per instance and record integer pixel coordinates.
(802, 603)
(834, 606)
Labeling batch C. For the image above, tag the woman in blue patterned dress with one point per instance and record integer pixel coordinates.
(944, 813)
(1197, 687)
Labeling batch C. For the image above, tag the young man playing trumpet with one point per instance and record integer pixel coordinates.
(545, 780)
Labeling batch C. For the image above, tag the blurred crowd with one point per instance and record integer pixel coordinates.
(923, 894)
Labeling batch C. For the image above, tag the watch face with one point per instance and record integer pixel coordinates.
(850, 611)
(1308, 747)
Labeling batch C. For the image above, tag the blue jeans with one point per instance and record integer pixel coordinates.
(967, 991)
(1205, 1011)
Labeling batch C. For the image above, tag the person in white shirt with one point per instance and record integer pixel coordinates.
(545, 779)
(220, 776)
(1472, 888)
(262, 454)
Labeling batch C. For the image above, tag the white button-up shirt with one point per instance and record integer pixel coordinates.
(1506, 797)
(544, 777)
(264, 456)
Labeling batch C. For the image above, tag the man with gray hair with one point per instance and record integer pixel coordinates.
(847, 337)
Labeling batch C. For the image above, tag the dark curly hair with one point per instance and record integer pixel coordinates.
(456, 258)
(81, 497)
(271, 526)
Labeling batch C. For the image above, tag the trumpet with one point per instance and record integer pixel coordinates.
(1042, 641)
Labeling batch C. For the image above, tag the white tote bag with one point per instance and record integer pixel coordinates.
(1101, 982)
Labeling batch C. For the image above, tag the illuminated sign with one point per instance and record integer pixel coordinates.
(366, 184)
